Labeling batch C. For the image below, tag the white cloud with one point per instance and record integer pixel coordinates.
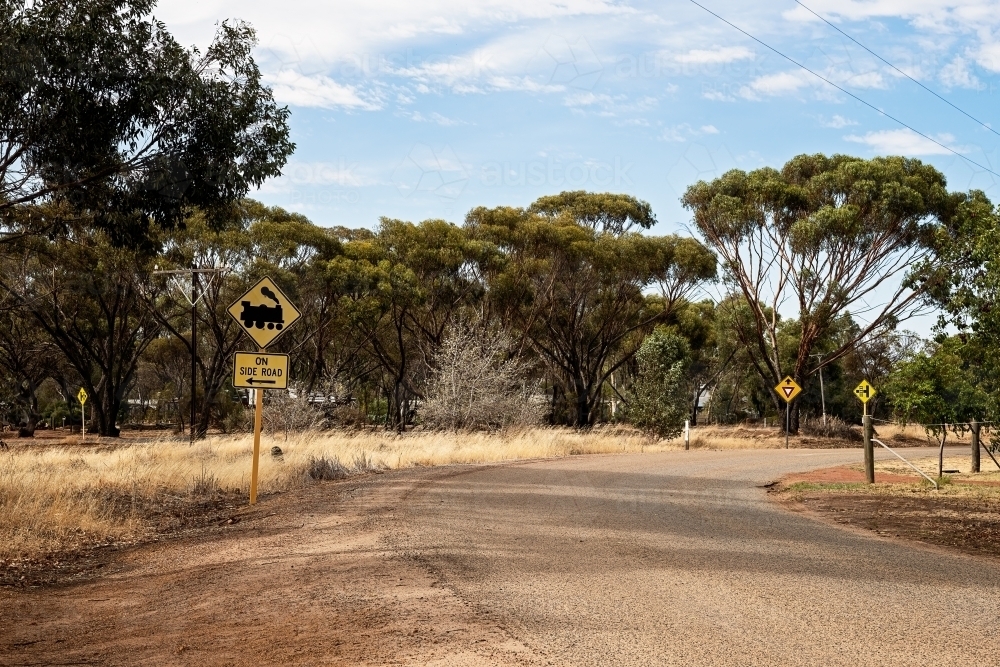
(837, 122)
(684, 132)
(781, 83)
(956, 74)
(905, 142)
(716, 56)
(988, 54)
(435, 117)
(608, 105)
(318, 90)
(716, 95)
(920, 12)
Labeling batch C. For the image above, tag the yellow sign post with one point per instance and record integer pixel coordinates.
(82, 397)
(865, 392)
(788, 389)
(265, 313)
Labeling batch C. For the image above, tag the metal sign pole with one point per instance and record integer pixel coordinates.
(788, 425)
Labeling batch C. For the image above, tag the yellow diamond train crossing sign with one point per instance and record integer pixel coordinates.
(264, 312)
(82, 396)
(788, 389)
(864, 391)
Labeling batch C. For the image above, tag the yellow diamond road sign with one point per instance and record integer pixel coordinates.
(260, 371)
(264, 312)
(864, 391)
(82, 396)
(788, 389)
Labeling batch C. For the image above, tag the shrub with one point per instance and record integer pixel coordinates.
(475, 383)
(657, 399)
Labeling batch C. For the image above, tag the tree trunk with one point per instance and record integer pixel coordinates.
(106, 407)
(29, 410)
(697, 401)
(583, 405)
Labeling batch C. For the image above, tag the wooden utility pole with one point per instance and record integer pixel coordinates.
(869, 448)
(193, 299)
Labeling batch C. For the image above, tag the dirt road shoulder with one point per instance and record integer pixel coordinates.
(308, 580)
(964, 515)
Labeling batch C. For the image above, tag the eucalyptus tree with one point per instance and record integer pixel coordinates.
(86, 296)
(102, 108)
(824, 237)
(576, 292)
(969, 294)
(27, 358)
(407, 283)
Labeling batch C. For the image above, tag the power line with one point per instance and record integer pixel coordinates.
(949, 103)
(846, 92)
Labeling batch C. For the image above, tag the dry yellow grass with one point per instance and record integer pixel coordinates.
(54, 497)
(751, 436)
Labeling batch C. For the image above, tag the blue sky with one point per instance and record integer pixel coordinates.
(424, 110)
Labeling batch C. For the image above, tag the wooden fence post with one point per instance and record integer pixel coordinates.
(975, 446)
(869, 450)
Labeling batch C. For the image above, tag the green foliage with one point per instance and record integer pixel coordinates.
(100, 108)
(568, 279)
(934, 388)
(825, 233)
(657, 400)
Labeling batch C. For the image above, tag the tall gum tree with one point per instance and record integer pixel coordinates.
(578, 287)
(100, 107)
(827, 236)
(85, 294)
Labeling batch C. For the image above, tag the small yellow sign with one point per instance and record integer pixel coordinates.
(864, 391)
(260, 371)
(264, 312)
(788, 389)
(82, 396)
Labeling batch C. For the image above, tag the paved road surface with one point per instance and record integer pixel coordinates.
(657, 559)
(680, 559)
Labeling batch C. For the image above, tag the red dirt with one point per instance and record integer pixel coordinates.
(846, 475)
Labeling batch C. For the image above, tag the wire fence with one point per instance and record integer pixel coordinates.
(927, 426)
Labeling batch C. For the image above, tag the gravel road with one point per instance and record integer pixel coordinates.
(680, 559)
(652, 559)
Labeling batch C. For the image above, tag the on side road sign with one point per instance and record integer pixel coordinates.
(260, 371)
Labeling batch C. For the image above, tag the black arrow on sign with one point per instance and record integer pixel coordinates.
(251, 381)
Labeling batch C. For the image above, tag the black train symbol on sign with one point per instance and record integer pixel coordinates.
(263, 315)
